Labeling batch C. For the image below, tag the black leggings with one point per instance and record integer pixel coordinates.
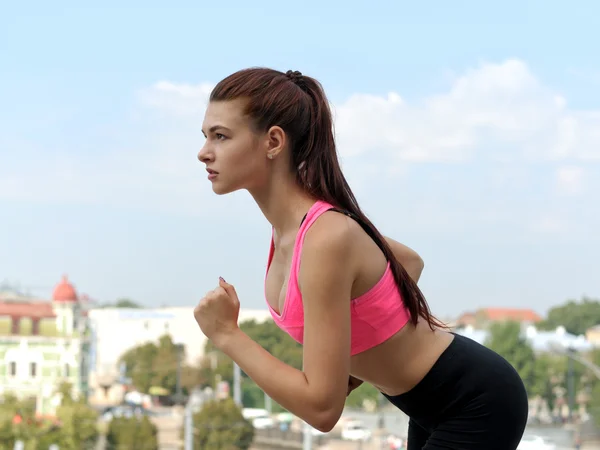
(471, 399)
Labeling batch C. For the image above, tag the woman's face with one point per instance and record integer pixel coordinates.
(236, 156)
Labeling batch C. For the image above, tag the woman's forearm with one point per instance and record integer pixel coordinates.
(286, 385)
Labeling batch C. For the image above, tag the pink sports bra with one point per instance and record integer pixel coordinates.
(376, 315)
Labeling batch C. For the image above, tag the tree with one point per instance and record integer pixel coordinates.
(280, 345)
(268, 335)
(155, 364)
(217, 366)
(364, 393)
(575, 316)
(221, 425)
(505, 339)
(131, 433)
(77, 420)
(73, 429)
(127, 303)
(139, 365)
(122, 303)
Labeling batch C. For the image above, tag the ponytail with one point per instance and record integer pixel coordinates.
(298, 105)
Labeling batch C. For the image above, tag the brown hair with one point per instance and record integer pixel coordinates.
(297, 104)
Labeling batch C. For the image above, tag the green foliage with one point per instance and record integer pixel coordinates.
(575, 316)
(74, 427)
(217, 366)
(365, 392)
(131, 433)
(122, 303)
(252, 395)
(78, 429)
(268, 335)
(279, 344)
(153, 364)
(220, 425)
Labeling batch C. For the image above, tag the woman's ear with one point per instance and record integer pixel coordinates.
(276, 141)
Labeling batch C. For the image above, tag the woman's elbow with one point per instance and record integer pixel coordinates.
(325, 421)
(325, 416)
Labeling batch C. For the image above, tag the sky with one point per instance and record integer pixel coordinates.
(468, 131)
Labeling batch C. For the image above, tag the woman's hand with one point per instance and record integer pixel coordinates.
(217, 313)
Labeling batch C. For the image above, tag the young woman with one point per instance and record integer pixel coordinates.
(336, 285)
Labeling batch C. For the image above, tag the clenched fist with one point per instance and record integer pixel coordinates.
(217, 313)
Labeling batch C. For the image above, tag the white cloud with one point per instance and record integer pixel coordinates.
(496, 119)
(179, 99)
(497, 111)
(570, 179)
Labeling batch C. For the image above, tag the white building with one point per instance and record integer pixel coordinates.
(42, 344)
(116, 330)
(541, 341)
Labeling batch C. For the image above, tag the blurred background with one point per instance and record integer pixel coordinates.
(468, 131)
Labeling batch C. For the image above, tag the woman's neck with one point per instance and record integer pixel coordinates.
(284, 204)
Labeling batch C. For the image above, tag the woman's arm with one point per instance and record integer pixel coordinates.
(410, 260)
(413, 264)
(318, 392)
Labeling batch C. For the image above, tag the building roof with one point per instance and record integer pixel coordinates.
(33, 309)
(518, 314)
(500, 314)
(64, 291)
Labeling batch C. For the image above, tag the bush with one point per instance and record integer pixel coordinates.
(220, 425)
(131, 433)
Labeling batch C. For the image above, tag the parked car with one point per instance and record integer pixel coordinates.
(355, 431)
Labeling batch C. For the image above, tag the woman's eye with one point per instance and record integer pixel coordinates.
(220, 136)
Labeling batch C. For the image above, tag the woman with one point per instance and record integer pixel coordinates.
(336, 285)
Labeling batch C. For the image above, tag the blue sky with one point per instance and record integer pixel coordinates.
(469, 131)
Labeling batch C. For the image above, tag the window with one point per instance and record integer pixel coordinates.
(12, 369)
(33, 370)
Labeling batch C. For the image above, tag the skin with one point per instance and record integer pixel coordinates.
(339, 262)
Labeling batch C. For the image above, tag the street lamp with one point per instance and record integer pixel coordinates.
(571, 353)
(180, 348)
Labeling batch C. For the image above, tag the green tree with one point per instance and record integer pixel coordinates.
(280, 345)
(575, 316)
(132, 433)
(505, 339)
(217, 366)
(155, 364)
(78, 426)
(73, 429)
(268, 335)
(220, 425)
(364, 393)
(126, 303)
(122, 303)
(139, 365)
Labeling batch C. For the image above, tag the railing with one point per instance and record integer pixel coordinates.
(276, 438)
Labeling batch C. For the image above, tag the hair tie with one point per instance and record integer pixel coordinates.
(297, 78)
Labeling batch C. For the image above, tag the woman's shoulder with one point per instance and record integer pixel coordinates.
(334, 233)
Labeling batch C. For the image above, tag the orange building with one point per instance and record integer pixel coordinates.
(484, 316)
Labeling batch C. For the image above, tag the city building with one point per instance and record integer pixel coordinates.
(592, 334)
(116, 330)
(553, 341)
(485, 316)
(42, 344)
